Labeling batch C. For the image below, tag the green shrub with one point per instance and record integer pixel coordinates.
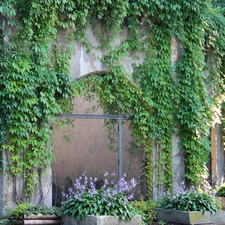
(146, 210)
(4, 221)
(220, 192)
(27, 209)
(190, 200)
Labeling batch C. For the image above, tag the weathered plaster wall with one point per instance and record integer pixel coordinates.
(83, 62)
(8, 196)
(217, 156)
(88, 150)
(220, 156)
(177, 155)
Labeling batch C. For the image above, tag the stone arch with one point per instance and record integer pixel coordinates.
(132, 161)
(95, 72)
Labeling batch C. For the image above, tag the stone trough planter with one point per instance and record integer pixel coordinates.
(101, 220)
(39, 219)
(195, 217)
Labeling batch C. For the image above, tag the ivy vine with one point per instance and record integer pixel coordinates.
(32, 86)
(164, 99)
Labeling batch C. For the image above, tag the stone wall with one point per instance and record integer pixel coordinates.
(10, 189)
(84, 153)
(83, 63)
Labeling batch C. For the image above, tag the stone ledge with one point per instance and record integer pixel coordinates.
(101, 220)
(191, 218)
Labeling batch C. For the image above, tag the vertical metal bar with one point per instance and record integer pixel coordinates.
(120, 149)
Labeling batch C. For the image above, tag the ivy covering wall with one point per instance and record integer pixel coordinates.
(163, 98)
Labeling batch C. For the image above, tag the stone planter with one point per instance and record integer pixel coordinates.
(39, 219)
(195, 217)
(222, 200)
(101, 220)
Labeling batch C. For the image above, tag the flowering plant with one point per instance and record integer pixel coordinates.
(112, 198)
(189, 200)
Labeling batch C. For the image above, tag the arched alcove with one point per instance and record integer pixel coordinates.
(88, 149)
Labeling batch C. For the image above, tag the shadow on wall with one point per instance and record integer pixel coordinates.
(57, 191)
(56, 195)
(88, 150)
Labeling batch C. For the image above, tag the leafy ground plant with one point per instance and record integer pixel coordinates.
(146, 209)
(112, 198)
(4, 221)
(25, 208)
(189, 200)
(220, 192)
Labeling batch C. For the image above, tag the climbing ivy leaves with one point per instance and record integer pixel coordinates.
(162, 98)
(155, 79)
(32, 87)
(193, 112)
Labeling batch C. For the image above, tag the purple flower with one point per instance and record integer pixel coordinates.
(111, 191)
(92, 192)
(106, 174)
(130, 197)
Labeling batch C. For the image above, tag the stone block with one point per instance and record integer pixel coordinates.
(192, 218)
(101, 220)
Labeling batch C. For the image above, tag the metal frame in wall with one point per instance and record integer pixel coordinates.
(120, 118)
